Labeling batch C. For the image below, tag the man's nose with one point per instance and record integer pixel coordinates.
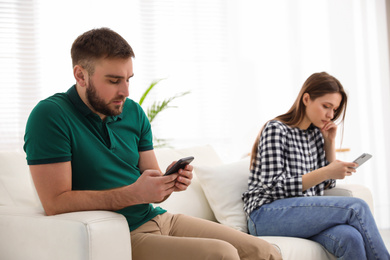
(124, 89)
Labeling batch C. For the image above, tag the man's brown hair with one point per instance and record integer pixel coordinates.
(99, 43)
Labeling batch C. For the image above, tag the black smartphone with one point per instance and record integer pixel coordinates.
(180, 164)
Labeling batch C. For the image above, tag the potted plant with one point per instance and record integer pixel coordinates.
(157, 107)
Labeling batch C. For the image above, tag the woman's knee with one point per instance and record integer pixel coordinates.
(360, 206)
(352, 237)
(349, 241)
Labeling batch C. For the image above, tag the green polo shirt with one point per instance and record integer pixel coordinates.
(104, 154)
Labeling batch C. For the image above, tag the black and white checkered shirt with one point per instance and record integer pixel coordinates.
(284, 155)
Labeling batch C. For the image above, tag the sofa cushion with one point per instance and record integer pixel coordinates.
(299, 248)
(223, 186)
(16, 186)
(203, 154)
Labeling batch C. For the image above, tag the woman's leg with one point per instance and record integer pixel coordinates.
(340, 239)
(306, 217)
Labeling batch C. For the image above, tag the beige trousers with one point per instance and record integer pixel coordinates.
(177, 237)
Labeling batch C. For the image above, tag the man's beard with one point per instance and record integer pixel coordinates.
(99, 105)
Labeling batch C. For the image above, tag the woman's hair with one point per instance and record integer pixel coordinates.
(99, 43)
(317, 85)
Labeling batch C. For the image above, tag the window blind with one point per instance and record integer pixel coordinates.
(187, 43)
(19, 70)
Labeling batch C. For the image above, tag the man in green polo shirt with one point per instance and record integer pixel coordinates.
(91, 149)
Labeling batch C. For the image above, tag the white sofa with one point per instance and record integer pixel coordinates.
(26, 233)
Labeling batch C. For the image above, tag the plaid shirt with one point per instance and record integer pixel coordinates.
(284, 155)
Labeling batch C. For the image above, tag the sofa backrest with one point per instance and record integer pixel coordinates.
(16, 186)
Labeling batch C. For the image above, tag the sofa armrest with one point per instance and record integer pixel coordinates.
(353, 190)
(27, 233)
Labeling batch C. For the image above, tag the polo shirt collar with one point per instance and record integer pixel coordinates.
(83, 108)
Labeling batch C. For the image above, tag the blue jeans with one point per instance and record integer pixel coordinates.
(342, 225)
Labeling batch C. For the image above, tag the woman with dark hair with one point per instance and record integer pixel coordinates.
(293, 161)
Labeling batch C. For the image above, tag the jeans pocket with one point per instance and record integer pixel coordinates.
(251, 227)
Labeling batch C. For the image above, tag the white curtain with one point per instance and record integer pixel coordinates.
(244, 62)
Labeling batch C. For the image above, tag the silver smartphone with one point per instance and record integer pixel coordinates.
(362, 159)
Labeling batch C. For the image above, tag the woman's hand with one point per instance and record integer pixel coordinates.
(339, 170)
(329, 131)
(335, 170)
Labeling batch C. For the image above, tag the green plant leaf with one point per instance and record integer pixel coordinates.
(159, 106)
(160, 143)
(145, 94)
(156, 108)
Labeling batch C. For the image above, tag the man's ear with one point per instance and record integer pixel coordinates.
(81, 75)
(305, 98)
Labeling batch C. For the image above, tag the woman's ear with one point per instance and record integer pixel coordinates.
(305, 98)
(81, 75)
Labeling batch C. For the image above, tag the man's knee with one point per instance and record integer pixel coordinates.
(221, 250)
(262, 250)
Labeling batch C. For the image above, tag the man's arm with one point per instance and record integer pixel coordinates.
(54, 186)
(148, 161)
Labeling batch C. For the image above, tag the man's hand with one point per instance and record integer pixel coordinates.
(184, 177)
(153, 187)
